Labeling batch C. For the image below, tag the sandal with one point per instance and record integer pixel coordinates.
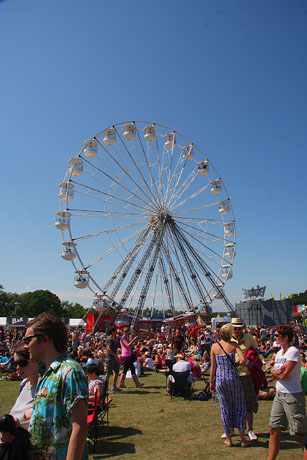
(246, 444)
(228, 443)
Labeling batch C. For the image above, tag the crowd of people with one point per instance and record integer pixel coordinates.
(62, 371)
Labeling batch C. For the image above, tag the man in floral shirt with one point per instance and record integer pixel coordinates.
(58, 424)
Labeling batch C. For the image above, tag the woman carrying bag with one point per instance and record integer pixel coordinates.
(225, 380)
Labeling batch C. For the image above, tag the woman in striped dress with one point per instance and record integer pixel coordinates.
(225, 379)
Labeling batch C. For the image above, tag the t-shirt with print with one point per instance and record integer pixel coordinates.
(291, 384)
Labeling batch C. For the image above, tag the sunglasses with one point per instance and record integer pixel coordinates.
(27, 340)
(22, 363)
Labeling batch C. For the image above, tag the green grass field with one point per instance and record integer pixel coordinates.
(145, 424)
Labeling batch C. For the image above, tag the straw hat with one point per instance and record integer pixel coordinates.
(237, 322)
(180, 355)
(196, 357)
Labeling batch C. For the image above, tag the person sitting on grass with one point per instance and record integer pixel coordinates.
(148, 361)
(158, 360)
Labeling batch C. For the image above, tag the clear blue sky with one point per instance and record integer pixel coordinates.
(229, 75)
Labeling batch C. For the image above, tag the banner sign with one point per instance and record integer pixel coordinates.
(105, 320)
(16, 321)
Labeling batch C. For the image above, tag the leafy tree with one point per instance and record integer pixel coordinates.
(36, 302)
(73, 310)
(300, 299)
(5, 305)
(8, 302)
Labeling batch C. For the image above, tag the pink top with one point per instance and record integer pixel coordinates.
(126, 351)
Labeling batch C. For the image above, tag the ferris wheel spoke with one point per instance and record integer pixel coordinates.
(122, 200)
(190, 197)
(152, 181)
(154, 296)
(160, 188)
(165, 280)
(200, 262)
(141, 265)
(194, 277)
(105, 232)
(151, 268)
(155, 196)
(113, 249)
(181, 188)
(174, 178)
(102, 214)
(126, 172)
(179, 214)
(213, 235)
(181, 290)
(114, 181)
(186, 291)
(125, 265)
(197, 279)
(205, 246)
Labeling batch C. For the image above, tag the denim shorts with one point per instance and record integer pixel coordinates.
(289, 409)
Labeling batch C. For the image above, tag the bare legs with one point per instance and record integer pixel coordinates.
(274, 443)
(249, 419)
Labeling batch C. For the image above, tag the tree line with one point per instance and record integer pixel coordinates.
(33, 303)
(30, 304)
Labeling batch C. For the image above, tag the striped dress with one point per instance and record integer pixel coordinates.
(230, 394)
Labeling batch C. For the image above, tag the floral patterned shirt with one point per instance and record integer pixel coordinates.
(58, 391)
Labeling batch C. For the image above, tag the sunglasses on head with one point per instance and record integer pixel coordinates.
(22, 363)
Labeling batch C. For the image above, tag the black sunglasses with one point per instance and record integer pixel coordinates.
(22, 363)
(27, 340)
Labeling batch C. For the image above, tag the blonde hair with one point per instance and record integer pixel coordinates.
(226, 332)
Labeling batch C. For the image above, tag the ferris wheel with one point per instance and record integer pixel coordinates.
(146, 221)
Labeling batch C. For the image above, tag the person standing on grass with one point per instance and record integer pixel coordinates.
(112, 360)
(128, 359)
(246, 341)
(58, 425)
(289, 402)
(224, 379)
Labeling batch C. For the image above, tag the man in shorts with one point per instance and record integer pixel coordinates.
(289, 402)
(245, 341)
(112, 360)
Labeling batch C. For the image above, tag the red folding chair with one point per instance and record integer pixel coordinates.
(104, 404)
(92, 422)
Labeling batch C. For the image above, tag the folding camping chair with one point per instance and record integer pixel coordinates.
(92, 423)
(104, 404)
(181, 386)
